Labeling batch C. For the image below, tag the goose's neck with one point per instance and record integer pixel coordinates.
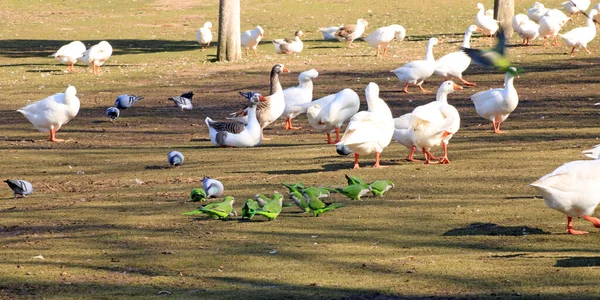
(508, 82)
(306, 84)
(590, 22)
(442, 96)
(429, 52)
(467, 39)
(275, 85)
(252, 120)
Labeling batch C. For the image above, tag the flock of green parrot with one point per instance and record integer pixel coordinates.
(307, 198)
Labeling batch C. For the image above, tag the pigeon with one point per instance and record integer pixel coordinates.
(249, 209)
(217, 210)
(378, 187)
(198, 195)
(125, 101)
(184, 101)
(112, 113)
(272, 209)
(212, 187)
(175, 158)
(317, 206)
(355, 191)
(21, 188)
(354, 180)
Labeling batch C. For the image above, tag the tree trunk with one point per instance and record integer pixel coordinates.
(504, 11)
(228, 47)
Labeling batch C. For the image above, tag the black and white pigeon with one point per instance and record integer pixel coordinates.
(20, 187)
(125, 101)
(184, 101)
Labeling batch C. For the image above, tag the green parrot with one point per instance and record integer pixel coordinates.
(355, 191)
(316, 205)
(198, 195)
(217, 210)
(262, 199)
(493, 58)
(298, 199)
(378, 187)
(249, 209)
(272, 209)
(320, 192)
(354, 180)
(294, 186)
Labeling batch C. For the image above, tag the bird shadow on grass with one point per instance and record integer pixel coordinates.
(572, 262)
(493, 229)
(156, 167)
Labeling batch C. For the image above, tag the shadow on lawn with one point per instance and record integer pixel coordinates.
(578, 262)
(493, 229)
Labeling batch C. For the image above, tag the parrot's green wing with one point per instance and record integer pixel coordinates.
(298, 199)
(318, 191)
(378, 187)
(329, 207)
(218, 210)
(198, 195)
(249, 209)
(355, 191)
(313, 200)
(354, 180)
(293, 186)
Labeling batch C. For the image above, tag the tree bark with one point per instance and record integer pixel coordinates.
(228, 46)
(504, 11)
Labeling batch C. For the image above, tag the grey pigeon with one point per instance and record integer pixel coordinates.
(212, 187)
(184, 101)
(112, 113)
(20, 187)
(125, 101)
(175, 158)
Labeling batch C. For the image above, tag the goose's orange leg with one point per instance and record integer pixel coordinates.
(53, 136)
(570, 229)
(356, 166)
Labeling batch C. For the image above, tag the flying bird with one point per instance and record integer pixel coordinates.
(20, 188)
(491, 58)
(184, 101)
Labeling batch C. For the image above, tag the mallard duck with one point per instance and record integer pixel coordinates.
(525, 28)
(97, 55)
(331, 112)
(416, 72)
(487, 24)
(436, 122)
(369, 131)
(581, 36)
(298, 95)
(237, 134)
(272, 108)
(496, 104)
(537, 11)
(204, 35)
(575, 7)
(329, 32)
(455, 63)
(251, 38)
(69, 53)
(289, 46)
(551, 23)
(382, 37)
(349, 33)
(573, 189)
(51, 113)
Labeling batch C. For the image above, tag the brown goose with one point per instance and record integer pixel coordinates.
(289, 45)
(349, 33)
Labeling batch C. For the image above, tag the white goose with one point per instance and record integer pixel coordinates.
(349, 33)
(289, 46)
(298, 95)
(496, 104)
(525, 28)
(49, 114)
(581, 36)
(487, 24)
(382, 37)
(97, 55)
(436, 122)
(329, 32)
(237, 134)
(573, 189)
(251, 38)
(593, 153)
(551, 23)
(69, 53)
(454, 63)
(204, 35)
(331, 112)
(416, 72)
(404, 134)
(575, 7)
(369, 131)
(537, 11)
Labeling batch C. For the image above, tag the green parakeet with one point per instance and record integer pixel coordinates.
(319, 191)
(316, 205)
(298, 199)
(249, 209)
(354, 180)
(378, 187)
(293, 186)
(198, 195)
(355, 191)
(272, 209)
(217, 210)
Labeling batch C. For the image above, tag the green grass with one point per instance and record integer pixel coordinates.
(106, 212)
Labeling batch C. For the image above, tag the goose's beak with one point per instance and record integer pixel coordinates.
(285, 69)
(457, 87)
